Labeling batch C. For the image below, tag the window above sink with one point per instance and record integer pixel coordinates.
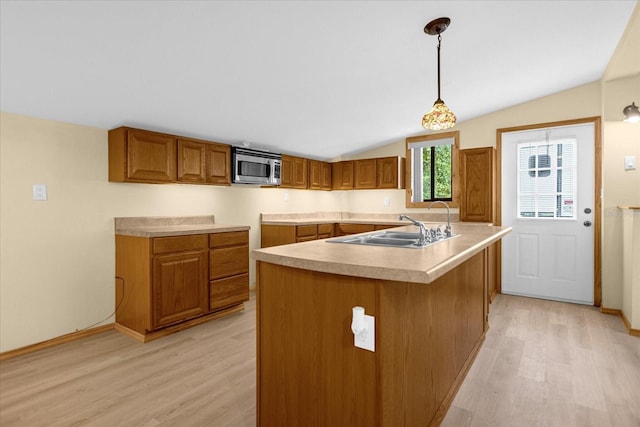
(433, 169)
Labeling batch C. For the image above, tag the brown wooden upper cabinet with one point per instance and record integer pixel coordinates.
(191, 161)
(342, 175)
(477, 188)
(364, 173)
(141, 156)
(202, 162)
(319, 175)
(219, 164)
(294, 172)
(383, 172)
(137, 155)
(390, 172)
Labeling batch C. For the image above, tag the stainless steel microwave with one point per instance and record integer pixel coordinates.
(255, 166)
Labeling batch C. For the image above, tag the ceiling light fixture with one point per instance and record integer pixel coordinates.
(440, 117)
(632, 115)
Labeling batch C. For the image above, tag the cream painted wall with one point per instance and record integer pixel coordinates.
(620, 187)
(57, 263)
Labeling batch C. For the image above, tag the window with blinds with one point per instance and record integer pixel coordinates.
(547, 179)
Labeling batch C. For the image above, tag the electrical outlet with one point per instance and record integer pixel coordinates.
(367, 338)
(387, 202)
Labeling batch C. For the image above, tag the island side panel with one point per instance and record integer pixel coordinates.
(309, 372)
(429, 335)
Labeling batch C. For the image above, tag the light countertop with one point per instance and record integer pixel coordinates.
(388, 263)
(172, 226)
(352, 218)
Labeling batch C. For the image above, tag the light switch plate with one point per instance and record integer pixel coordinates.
(629, 163)
(40, 192)
(367, 339)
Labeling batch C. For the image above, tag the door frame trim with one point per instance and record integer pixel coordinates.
(597, 208)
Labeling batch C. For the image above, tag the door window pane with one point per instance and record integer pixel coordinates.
(546, 179)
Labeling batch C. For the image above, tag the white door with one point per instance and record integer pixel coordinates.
(548, 200)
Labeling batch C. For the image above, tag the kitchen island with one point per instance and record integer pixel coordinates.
(430, 307)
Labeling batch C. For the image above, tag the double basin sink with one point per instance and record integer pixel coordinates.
(398, 239)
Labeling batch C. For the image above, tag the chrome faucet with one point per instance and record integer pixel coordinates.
(422, 240)
(447, 230)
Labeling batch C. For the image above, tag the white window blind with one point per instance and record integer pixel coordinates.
(547, 179)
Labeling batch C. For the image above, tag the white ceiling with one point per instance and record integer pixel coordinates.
(314, 78)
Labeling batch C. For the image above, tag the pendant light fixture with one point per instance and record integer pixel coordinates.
(440, 117)
(631, 113)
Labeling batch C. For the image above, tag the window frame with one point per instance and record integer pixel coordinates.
(455, 165)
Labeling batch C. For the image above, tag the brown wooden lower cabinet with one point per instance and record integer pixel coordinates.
(167, 283)
(275, 235)
(310, 373)
(343, 229)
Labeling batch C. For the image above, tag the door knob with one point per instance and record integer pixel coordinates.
(587, 223)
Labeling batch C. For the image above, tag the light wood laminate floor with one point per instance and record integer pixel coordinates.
(543, 363)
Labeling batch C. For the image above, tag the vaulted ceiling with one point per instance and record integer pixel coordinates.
(314, 78)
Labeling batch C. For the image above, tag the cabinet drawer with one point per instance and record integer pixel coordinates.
(225, 262)
(354, 228)
(325, 229)
(307, 230)
(164, 245)
(228, 291)
(229, 239)
(384, 226)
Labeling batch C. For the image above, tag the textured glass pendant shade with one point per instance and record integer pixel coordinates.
(439, 118)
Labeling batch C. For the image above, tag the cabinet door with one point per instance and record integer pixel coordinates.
(191, 161)
(315, 174)
(294, 172)
(387, 172)
(300, 172)
(286, 171)
(179, 287)
(325, 176)
(342, 175)
(365, 173)
(151, 156)
(477, 189)
(319, 175)
(218, 164)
